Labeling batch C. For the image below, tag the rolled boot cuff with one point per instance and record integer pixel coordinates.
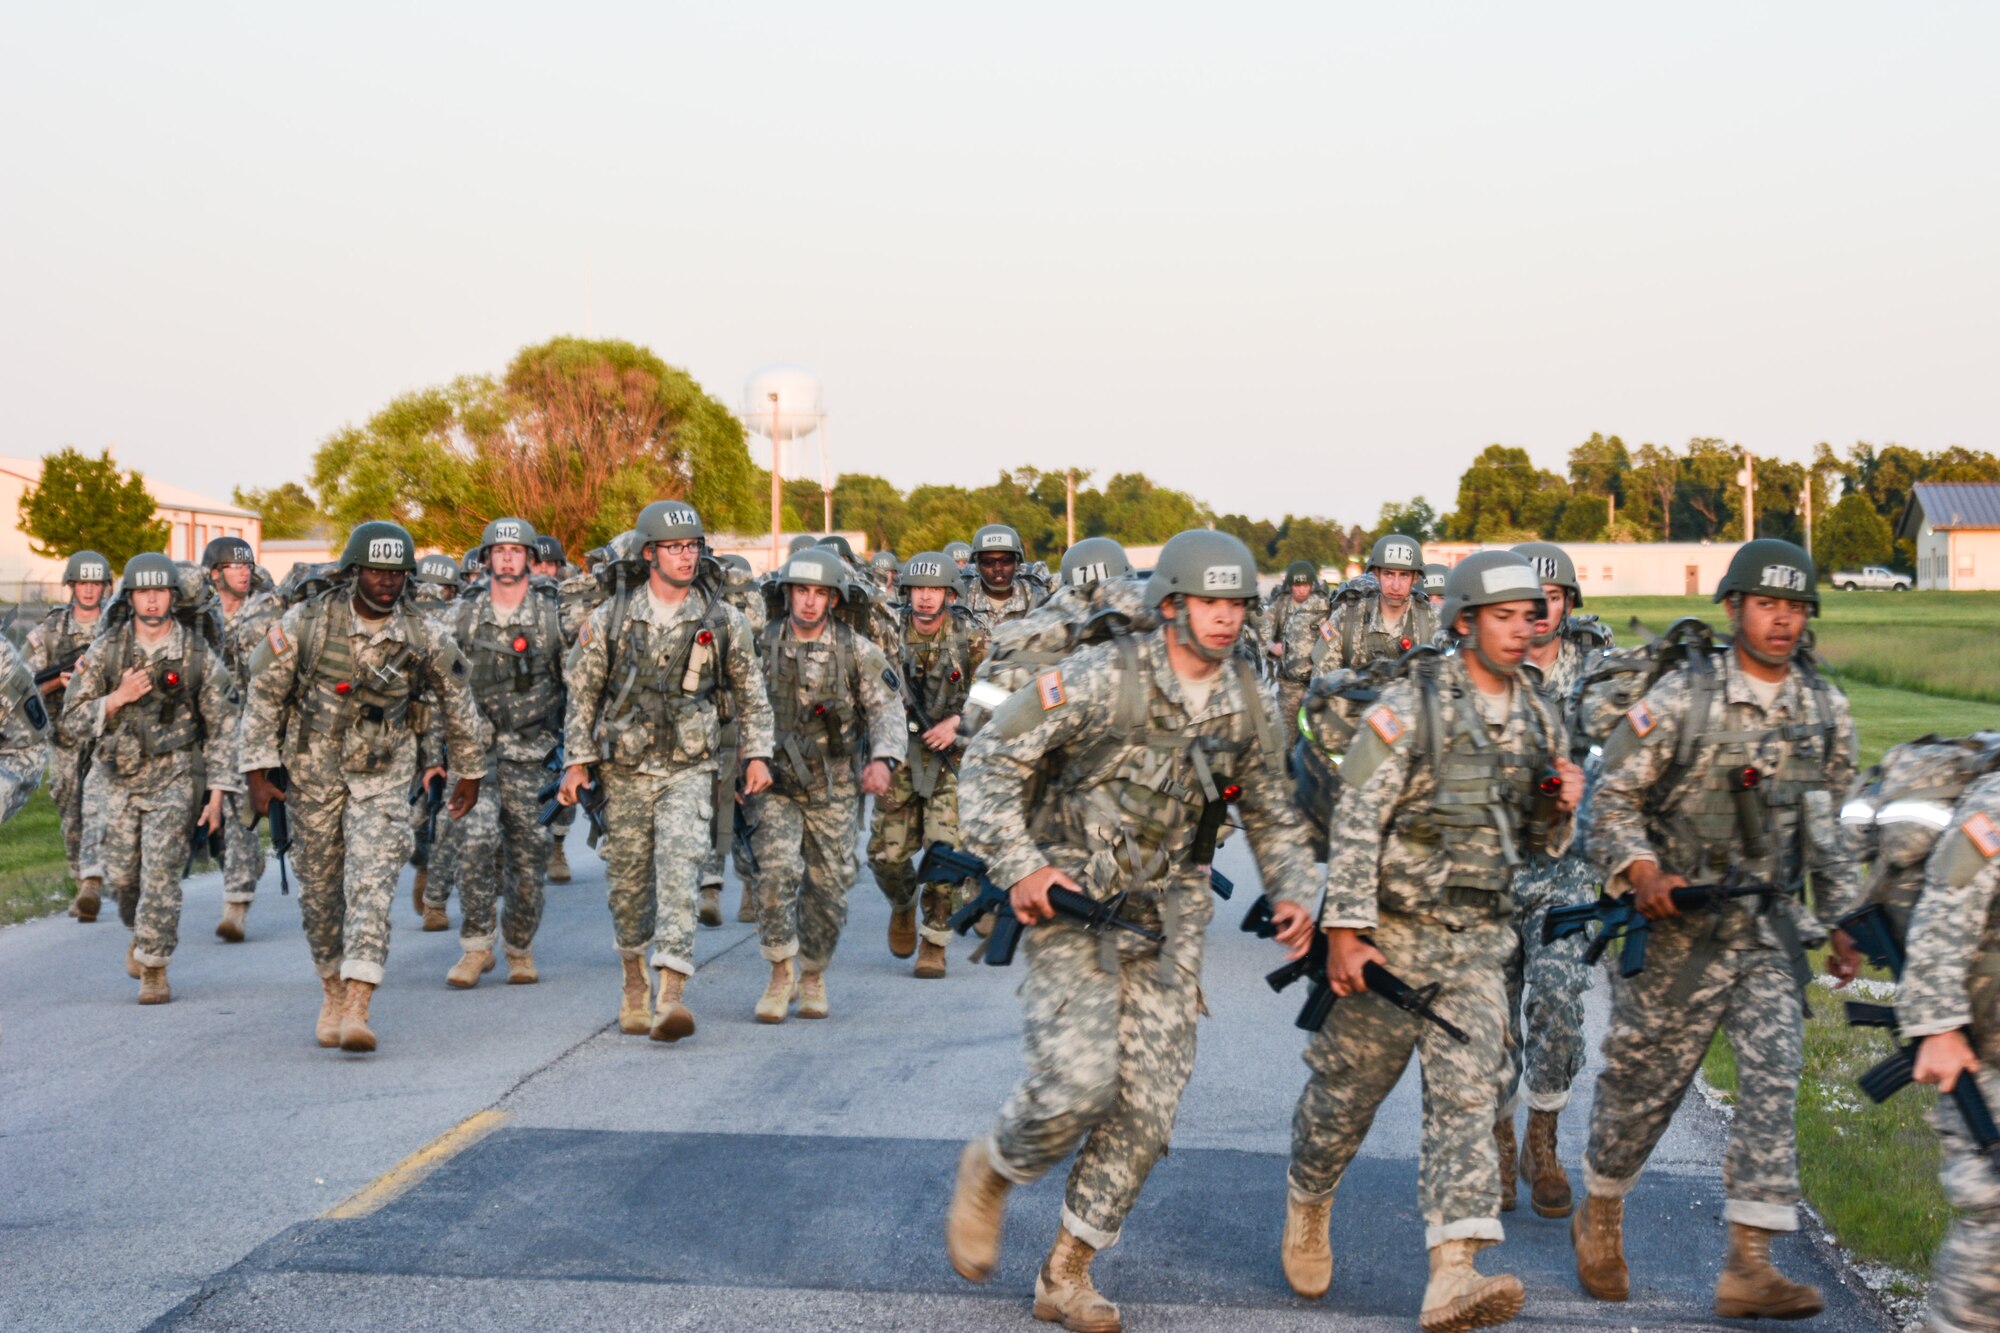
(1604, 1187)
(710, 881)
(778, 953)
(355, 970)
(478, 943)
(95, 872)
(144, 959)
(1299, 1195)
(810, 964)
(673, 962)
(1547, 1101)
(248, 895)
(1466, 1228)
(328, 969)
(1763, 1216)
(639, 952)
(1095, 1237)
(1509, 1110)
(941, 938)
(1005, 1169)
(524, 951)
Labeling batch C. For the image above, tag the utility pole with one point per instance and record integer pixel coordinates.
(777, 453)
(1749, 496)
(1069, 504)
(1805, 501)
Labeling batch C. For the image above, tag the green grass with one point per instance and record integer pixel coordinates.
(34, 873)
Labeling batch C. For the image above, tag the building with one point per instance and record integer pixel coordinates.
(1625, 569)
(1955, 526)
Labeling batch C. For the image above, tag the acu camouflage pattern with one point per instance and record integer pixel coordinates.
(992, 612)
(743, 594)
(1298, 633)
(1357, 632)
(58, 635)
(242, 632)
(25, 733)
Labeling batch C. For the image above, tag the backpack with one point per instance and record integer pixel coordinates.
(1620, 678)
(1897, 811)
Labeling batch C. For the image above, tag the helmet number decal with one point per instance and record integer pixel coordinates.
(1091, 573)
(995, 539)
(924, 569)
(1789, 577)
(1545, 565)
(92, 572)
(1222, 578)
(385, 548)
(506, 532)
(1399, 553)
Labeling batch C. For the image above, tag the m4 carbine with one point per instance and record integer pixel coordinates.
(1320, 999)
(944, 864)
(1619, 919)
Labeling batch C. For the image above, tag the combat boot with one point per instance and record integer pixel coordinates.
(1063, 1292)
(327, 1030)
(777, 999)
(930, 960)
(812, 995)
(230, 928)
(417, 887)
(89, 898)
(1459, 1296)
(355, 1034)
(521, 970)
(747, 909)
(710, 912)
(1750, 1288)
(635, 1013)
(1307, 1248)
(558, 864)
(1503, 1139)
(1542, 1168)
(132, 968)
(1597, 1234)
(435, 919)
(978, 1208)
(672, 1020)
(153, 987)
(471, 966)
(903, 931)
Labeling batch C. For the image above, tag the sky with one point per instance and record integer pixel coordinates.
(1290, 258)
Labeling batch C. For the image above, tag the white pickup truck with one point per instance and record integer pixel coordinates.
(1873, 577)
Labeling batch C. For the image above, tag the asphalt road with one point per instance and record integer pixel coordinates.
(173, 1167)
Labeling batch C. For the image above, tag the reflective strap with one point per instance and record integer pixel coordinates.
(1857, 814)
(987, 695)
(1931, 814)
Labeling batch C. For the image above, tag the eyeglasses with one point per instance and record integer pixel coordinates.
(1004, 558)
(677, 548)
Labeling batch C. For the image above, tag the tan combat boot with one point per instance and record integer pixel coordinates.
(327, 1030)
(1597, 1234)
(978, 1207)
(1459, 1296)
(812, 995)
(672, 1019)
(747, 909)
(1307, 1249)
(355, 1034)
(153, 985)
(1063, 1292)
(558, 864)
(230, 928)
(132, 968)
(417, 887)
(521, 970)
(470, 967)
(930, 960)
(1503, 1139)
(635, 1012)
(89, 899)
(710, 911)
(903, 931)
(1542, 1168)
(777, 999)
(435, 919)
(1750, 1288)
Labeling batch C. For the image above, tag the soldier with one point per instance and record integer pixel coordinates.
(1396, 618)
(1440, 802)
(1302, 607)
(835, 710)
(882, 568)
(435, 854)
(512, 637)
(995, 594)
(24, 732)
(654, 672)
(1434, 574)
(59, 641)
(959, 553)
(159, 705)
(1949, 1003)
(941, 647)
(436, 583)
(551, 561)
(339, 693)
(740, 590)
(1136, 737)
(1729, 770)
(247, 612)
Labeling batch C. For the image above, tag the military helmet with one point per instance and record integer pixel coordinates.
(148, 570)
(804, 541)
(814, 568)
(668, 521)
(1202, 562)
(1395, 551)
(928, 569)
(1434, 578)
(884, 561)
(222, 551)
(379, 544)
(998, 537)
(736, 570)
(1489, 578)
(1093, 560)
(1770, 567)
(549, 549)
(1553, 565)
(439, 569)
(469, 562)
(506, 532)
(87, 567)
(833, 541)
(958, 552)
(1301, 571)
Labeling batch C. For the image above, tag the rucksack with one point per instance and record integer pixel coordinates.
(1620, 679)
(1898, 809)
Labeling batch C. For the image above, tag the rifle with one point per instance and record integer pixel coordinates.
(1206, 830)
(202, 842)
(432, 795)
(1874, 933)
(591, 800)
(281, 825)
(1320, 999)
(739, 840)
(1619, 919)
(66, 664)
(943, 864)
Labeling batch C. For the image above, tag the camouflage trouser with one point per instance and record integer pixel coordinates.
(1661, 1027)
(656, 833)
(348, 851)
(242, 853)
(447, 855)
(805, 866)
(1108, 1033)
(1965, 1274)
(504, 849)
(1555, 979)
(1363, 1049)
(723, 829)
(1291, 694)
(905, 824)
(66, 790)
(145, 849)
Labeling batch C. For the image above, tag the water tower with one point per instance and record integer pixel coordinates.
(783, 404)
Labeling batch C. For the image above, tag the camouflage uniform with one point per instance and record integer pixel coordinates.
(833, 711)
(25, 734)
(1951, 981)
(990, 612)
(1741, 969)
(351, 753)
(747, 598)
(1422, 859)
(59, 635)
(1109, 1022)
(243, 850)
(1298, 630)
(154, 762)
(1355, 633)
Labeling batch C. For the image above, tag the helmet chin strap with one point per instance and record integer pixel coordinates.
(511, 579)
(1194, 644)
(1757, 655)
(379, 608)
(669, 579)
(150, 621)
(1504, 670)
(1542, 640)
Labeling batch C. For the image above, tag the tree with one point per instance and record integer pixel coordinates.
(874, 506)
(1260, 535)
(1708, 499)
(1414, 518)
(1599, 466)
(1584, 519)
(289, 513)
(1655, 477)
(1850, 536)
(87, 503)
(1314, 539)
(1504, 494)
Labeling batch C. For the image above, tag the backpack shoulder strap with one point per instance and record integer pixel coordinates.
(1260, 716)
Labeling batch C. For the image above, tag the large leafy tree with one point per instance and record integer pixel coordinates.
(1503, 496)
(1851, 535)
(1412, 518)
(288, 511)
(88, 503)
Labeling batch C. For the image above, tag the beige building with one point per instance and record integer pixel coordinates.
(1956, 528)
(1625, 569)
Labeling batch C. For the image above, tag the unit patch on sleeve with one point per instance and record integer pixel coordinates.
(1983, 834)
(1049, 689)
(1641, 720)
(1386, 725)
(279, 643)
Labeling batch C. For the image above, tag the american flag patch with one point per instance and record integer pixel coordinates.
(1641, 720)
(1049, 689)
(279, 643)
(1983, 835)
(1386, 725)
(1326, 630)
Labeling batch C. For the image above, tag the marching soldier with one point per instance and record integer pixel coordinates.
(59, 641)
(1147, 732)
(740, 590)
(835, 712)
(25, 733)
(1440, 802)
(159, 705)
(341, 691)
(941, 647)
(434, 587)
(1728, 771)
(996, 593)
(248, 612)
(1387, 623)
(653, 672)
(1301, 609)
(959, 553)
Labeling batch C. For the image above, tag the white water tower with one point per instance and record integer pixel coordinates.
(784, 404)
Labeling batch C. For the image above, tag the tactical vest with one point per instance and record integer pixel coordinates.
(517, 680)
(665, 685)
(815, 729)
(169, 717)
(334, 697)
(940, 668)
(1897, 812)
(1359, 646)
(65, 646)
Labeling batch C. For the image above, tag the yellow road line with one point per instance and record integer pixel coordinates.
(416, 1166)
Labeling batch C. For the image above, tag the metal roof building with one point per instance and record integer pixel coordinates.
(1955, 526)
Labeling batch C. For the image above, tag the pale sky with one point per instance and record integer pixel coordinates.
(1298, 258)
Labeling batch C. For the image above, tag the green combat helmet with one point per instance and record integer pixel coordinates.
(884, 561)
(1395, 551)
(505, 532)
(668, 521)
(150, 569)
(1553, 565)
(439, 569)
(928, 569)
(549, 549)
(379, 544)
(1202, 563)
(1001, 538)
(87, 567)
(814, 568)
(805, 541)
(1092, 561)
(1301, 571)
(227, 551)
(1434, 574)
(958, 552)
(1770, 567)
(836, 542)
(736, 571)
(1489, 578)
